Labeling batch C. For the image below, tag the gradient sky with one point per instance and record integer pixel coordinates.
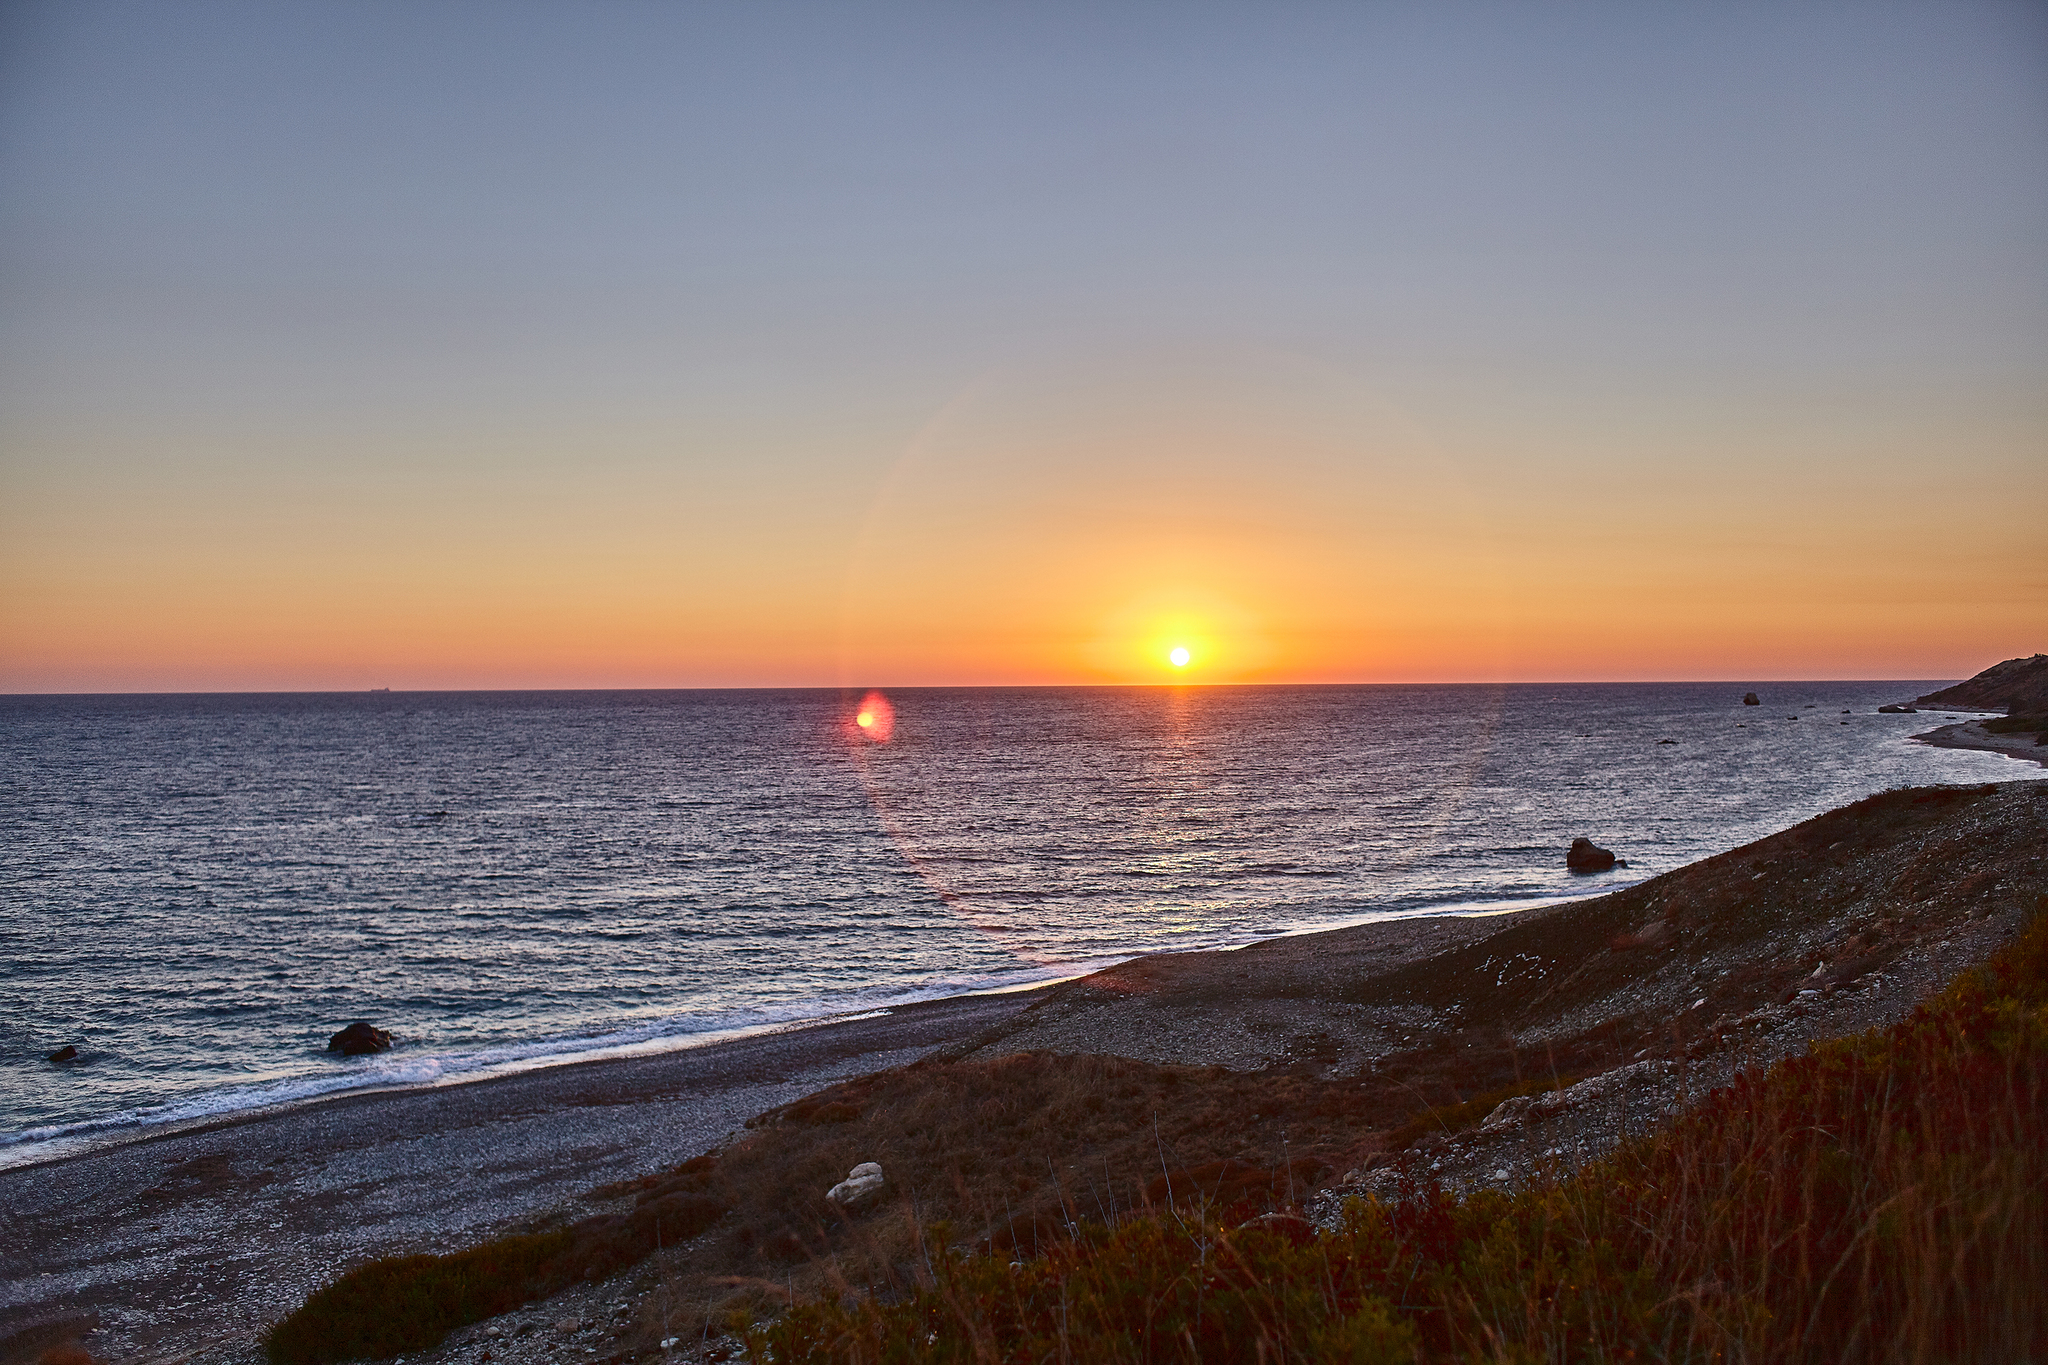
(568, 345)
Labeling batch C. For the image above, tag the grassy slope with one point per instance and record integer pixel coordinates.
(1881, 1198)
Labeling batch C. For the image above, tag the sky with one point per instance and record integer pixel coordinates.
(505, 345)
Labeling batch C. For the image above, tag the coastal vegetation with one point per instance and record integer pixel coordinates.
(409, 1303)
(401, 1303)
(1881, 1198)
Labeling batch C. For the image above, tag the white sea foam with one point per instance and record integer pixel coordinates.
(401, 1070)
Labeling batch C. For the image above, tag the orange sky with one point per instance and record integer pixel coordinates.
(674, 346)
(1283, 523)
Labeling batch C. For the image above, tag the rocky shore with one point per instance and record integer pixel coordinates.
(1604, 1014)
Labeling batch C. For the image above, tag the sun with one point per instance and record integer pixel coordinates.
(1179, 656)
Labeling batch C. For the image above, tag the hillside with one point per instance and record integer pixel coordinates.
(2018, 687)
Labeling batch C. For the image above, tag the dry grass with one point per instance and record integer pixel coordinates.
(1884, 1198)
(1011, 1156)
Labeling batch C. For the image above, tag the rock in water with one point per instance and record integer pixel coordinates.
(1896, 711)
(862, 1183)
(1750, 699)
(359, 1038)
(66, 1053)
(1587, 856)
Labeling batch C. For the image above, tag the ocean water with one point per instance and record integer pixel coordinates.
(197, 890)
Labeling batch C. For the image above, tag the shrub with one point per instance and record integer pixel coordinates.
(409, 1303)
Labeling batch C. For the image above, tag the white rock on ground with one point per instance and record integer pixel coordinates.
(863, 1182)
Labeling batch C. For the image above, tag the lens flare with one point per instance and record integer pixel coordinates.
(1180, 656)
(876, 718)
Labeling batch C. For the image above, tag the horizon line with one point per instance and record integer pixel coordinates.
(955, 687)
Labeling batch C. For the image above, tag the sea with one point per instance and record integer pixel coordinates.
(196, 891)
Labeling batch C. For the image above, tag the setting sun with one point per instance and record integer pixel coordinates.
(1180, 656)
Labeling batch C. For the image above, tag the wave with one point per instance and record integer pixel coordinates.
(400, 1070)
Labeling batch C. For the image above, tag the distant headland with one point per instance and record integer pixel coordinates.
(2019, 687)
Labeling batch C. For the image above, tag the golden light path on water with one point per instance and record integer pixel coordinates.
(1228, 520)
(895, 746)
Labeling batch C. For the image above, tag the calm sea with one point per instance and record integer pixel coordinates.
(197, 890)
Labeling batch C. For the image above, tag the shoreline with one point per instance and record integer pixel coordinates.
(86, 1136)
(1971, 734)
(549, 1075)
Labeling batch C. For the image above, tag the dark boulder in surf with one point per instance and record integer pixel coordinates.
(66, 1053)
(1750, 699)
(358, 1039)
(1587, 856)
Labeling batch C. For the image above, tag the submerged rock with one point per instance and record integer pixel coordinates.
(1587, 856)
(66, 1053)
(359, 1038)
(862, 1183)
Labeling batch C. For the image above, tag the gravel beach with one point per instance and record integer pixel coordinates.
(201, 1238)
